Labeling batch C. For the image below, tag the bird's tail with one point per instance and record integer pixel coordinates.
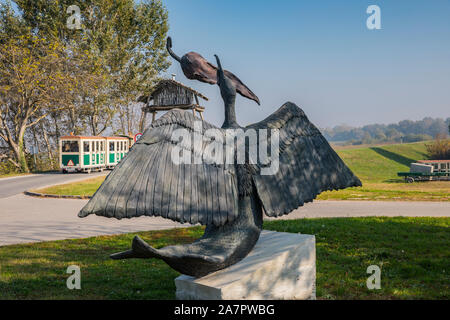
(139, 250)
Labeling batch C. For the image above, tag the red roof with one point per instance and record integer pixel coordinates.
(94, 137)
(80, 137)
(433, 161)
(118, 138)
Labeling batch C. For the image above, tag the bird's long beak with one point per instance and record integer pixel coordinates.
(220, 73)
(226, 79)
(219, 65)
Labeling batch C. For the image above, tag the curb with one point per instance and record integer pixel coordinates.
(54, 196)
(18, 177)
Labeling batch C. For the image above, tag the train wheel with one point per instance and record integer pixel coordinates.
(409, 180)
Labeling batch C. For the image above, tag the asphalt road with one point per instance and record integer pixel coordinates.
(26, 219)
(16, 185)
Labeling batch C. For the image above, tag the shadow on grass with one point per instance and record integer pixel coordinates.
(412, 253)
(394, 156)
(408, 250)
(38, 271)
(397, 180)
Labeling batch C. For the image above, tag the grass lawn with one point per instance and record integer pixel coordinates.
(413, 254)
(381, 163)
(80, 188)
(376, 166)
(420, 191)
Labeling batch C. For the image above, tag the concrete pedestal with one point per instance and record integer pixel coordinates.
(281, 266)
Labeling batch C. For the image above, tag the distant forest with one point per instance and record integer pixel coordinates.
(402, 132)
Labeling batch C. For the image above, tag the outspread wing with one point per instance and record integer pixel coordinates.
(149, 182)
(307, 164)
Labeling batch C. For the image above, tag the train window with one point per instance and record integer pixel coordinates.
(97, 146)
(102, 146)
(121, 146)
(111, 146)
(86, 146)
(70, 146)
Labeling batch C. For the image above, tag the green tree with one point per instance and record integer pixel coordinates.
(125, 38)
(39, 77)
(36, 78)
(440, 148)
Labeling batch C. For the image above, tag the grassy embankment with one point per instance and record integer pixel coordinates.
(376, 166)
(411, 253)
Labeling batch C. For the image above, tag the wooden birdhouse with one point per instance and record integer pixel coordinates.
(171, 94)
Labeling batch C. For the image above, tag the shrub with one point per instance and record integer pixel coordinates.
(439, 149)
(416, 138)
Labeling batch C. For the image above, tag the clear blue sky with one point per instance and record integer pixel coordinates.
(321, 56)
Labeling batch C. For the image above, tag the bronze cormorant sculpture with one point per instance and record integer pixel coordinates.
(229, 199)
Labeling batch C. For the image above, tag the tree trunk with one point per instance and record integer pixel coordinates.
(142, 121)
(21, 157)
(19, 152)
(49, 148)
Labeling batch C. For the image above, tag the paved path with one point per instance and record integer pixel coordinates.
(345, 209)
(25, 219)
(15, 185)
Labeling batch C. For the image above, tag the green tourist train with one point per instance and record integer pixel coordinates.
(87, 154)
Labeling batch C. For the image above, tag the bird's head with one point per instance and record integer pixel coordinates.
(227, 88)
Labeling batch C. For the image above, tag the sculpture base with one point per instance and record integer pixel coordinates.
(280, 266)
